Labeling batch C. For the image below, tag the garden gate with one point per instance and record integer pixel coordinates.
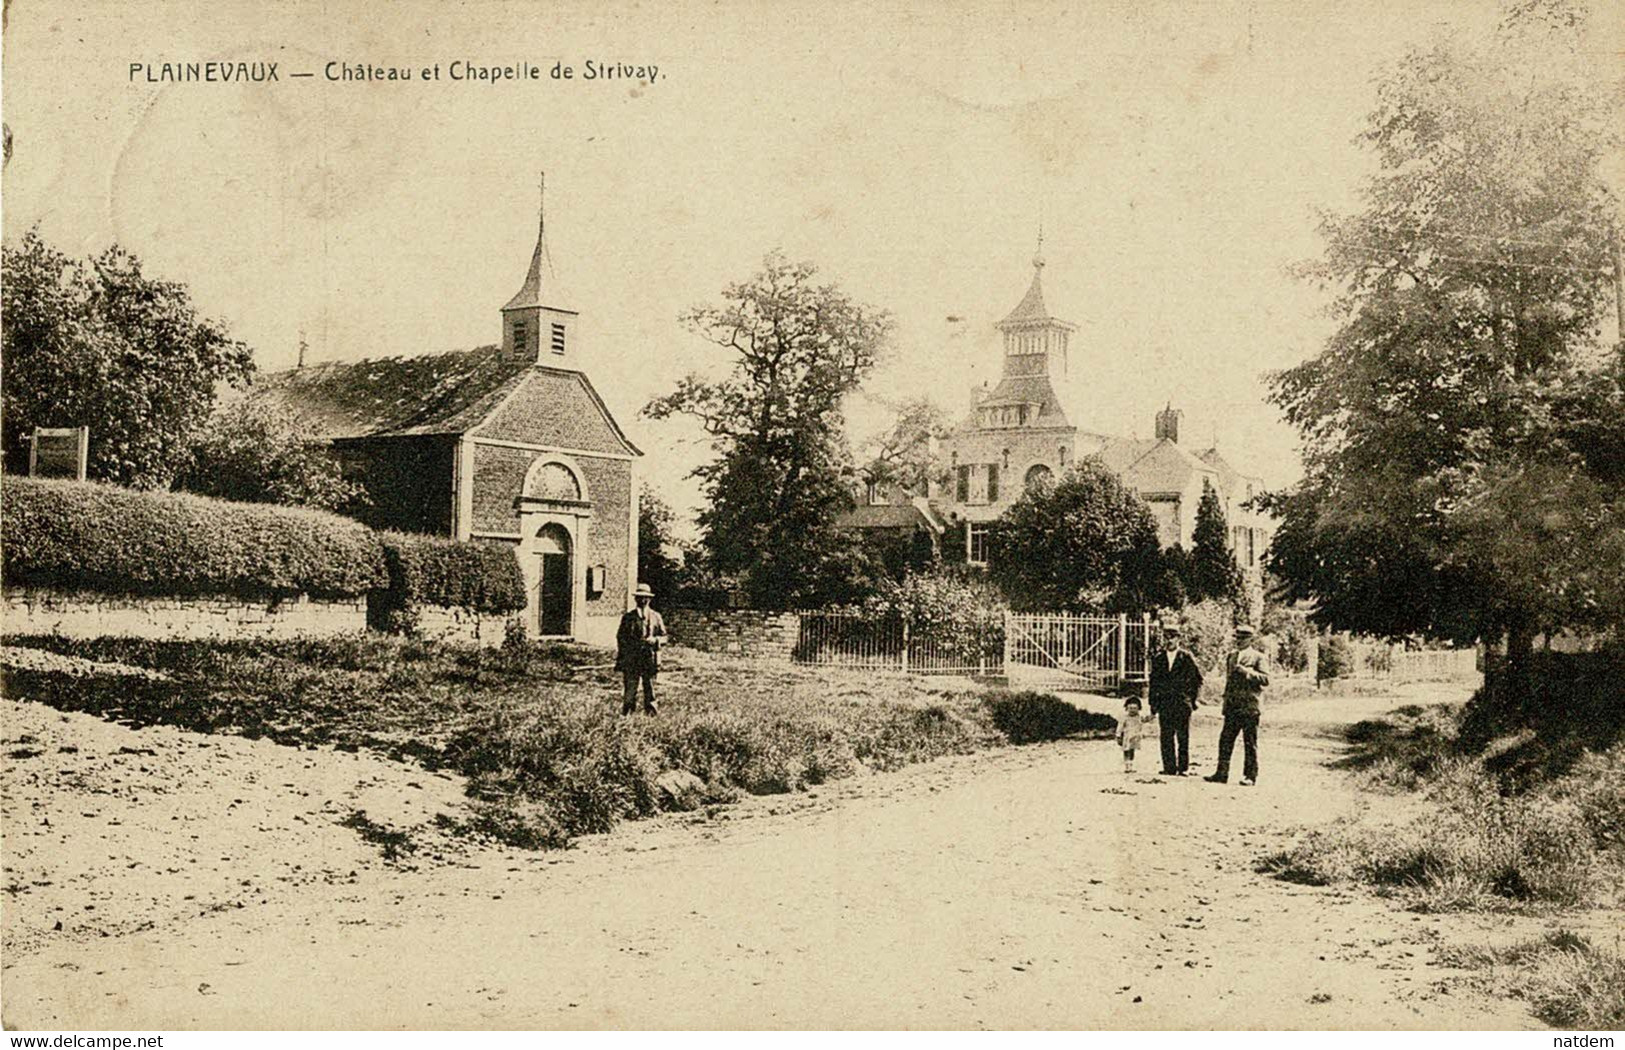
(1067, 651)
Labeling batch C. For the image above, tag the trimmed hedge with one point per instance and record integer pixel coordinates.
(429, 570)
(74, 536)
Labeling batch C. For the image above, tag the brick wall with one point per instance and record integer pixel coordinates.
(89, 615)
(743, 632)
(499, 477)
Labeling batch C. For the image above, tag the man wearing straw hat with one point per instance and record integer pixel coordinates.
(637, 650)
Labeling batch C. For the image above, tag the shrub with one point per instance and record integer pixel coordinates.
(69, 535)
(1336, 658)
(1027, 717)
(952, 614)
(1209, 631)
(428, 570)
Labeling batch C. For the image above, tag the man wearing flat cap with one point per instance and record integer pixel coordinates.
(637, 650)
(1175, 681)
(1247, 672)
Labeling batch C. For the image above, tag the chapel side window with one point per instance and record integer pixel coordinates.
(558, 339)
(976, 541)
(521, 337)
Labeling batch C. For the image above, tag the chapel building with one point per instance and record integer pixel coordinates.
(505, 443)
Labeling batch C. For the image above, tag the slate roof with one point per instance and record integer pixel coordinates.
(430, 394)
(532, 292)
(1031, 308)
(448, 393)
(1152, 465)
(891, 516)
(1029, 390)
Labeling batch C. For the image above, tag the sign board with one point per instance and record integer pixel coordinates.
(59, 452)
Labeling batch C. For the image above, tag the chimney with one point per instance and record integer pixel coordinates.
(977, 394)
(302, 348)
(1168, 424)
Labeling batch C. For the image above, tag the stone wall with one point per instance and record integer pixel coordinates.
(743, 632)
(443, 623)
(90, 615)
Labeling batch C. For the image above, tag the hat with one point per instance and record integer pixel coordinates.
(1172, 628)
(643, 591)
(1245, 628)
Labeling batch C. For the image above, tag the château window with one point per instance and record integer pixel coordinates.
(962, 484)
(993, 483)
(976, 543)
(558, 339)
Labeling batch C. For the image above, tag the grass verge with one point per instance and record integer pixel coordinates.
(536, 730)
(1568, 981)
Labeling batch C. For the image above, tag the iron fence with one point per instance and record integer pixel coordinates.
(972, 644)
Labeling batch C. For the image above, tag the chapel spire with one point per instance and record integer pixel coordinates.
(536, 325)
(541, 282)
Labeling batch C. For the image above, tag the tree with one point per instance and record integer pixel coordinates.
(101, 344)
(776, 486)
(905, 454)
(657, 538)
(1085, 543)
(255, 452)
(1212, 570)
(1472, 284)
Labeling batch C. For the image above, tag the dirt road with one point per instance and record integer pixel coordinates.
(1034, 887)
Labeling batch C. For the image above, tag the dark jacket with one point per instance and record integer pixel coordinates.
(1247, 672)
(1173, 688)
(637, 649)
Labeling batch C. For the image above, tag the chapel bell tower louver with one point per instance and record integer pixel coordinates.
(536, 326)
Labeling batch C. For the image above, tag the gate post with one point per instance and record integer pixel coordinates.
(905, 645)
(1122, 648)
(1007, 635)
(1145, 649)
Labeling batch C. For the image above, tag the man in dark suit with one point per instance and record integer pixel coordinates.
(1175, 681)
(637, 650)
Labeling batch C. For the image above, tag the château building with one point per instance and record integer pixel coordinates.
(1022, 431)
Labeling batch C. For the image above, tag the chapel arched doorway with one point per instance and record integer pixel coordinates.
(555, 581)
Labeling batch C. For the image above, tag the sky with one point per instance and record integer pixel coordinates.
(1174, 155)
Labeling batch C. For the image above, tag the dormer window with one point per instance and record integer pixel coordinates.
(558, 339)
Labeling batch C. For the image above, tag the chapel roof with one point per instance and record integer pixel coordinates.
(445, 393)
(448, 393)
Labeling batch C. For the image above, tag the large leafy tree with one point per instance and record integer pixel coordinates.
(658, 565)
(777, 484)
(1445, 492)
(101, 344)
(905, 454)
(253, 451)
(1085, 543)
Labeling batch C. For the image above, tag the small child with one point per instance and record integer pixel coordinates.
(1129, 728)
